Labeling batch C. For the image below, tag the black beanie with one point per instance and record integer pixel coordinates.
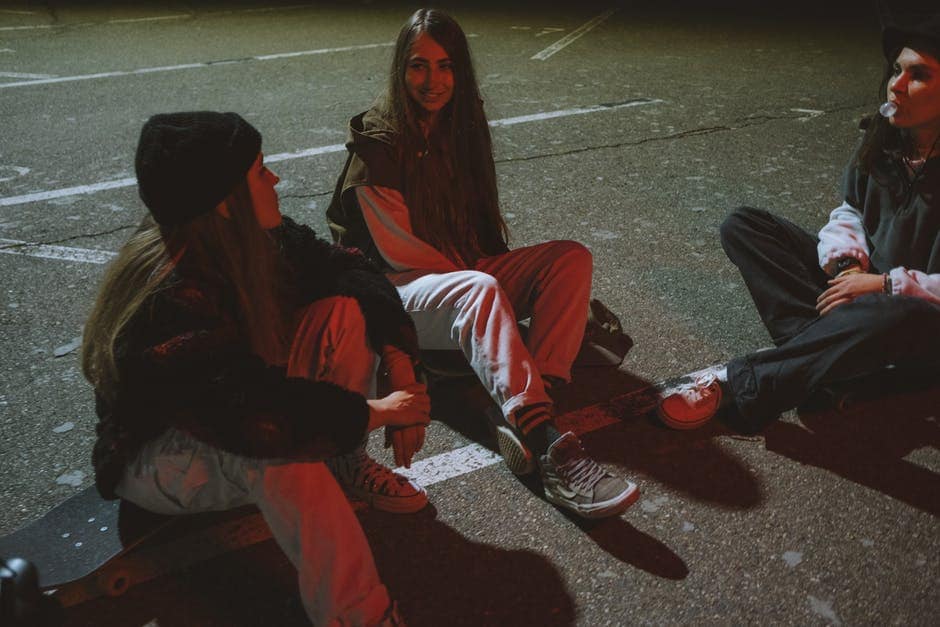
(905, 23)
(188, 162)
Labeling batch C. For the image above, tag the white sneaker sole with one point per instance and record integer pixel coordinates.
(390, 504)
(604, 509)
(518, 457)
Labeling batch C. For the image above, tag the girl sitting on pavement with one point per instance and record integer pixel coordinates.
(865, 293)
(231, 351)
(418, 195)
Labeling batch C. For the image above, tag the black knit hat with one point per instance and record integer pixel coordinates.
(188, 162)
(906, 23)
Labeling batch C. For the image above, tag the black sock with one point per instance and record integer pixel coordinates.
(541, 437)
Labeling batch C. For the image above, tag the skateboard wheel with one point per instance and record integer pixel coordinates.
(114, 583)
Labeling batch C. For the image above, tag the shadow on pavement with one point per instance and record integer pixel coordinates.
(868, 444)
(451, 580)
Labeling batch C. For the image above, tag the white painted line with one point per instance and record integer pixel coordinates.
(21, 75)
(68, 191)
(61, 253)
(311, 152)
(14, 12)
(20, 171)
(156, 18)
(572, 36)
(533, 117)
(290, 7)
(189, 66)
(7, 50)
(28, 27)
(302, 53)
(451, 464)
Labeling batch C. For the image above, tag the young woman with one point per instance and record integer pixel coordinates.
(863, 295)
(231, 351)
(418, 196)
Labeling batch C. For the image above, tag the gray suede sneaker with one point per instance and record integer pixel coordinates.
(369, 481)
(576, 482)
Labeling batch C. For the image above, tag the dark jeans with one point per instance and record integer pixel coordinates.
(780, 267)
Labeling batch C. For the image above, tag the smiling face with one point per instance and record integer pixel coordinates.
(915, 88)
(429, 75)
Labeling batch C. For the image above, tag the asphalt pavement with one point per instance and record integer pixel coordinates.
(631, 127)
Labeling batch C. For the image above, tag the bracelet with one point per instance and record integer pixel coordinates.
(887, 287)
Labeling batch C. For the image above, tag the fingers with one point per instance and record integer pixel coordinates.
(406, 442)
(409, 445)
(398, 447)
(420, 431)
(832, 305)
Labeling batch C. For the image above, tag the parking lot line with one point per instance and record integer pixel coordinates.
(60, 253)
(189, 66)
(320, 150)
(572, 36)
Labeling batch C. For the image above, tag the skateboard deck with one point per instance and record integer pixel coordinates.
(88, 547)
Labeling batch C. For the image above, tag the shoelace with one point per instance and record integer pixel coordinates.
(697, 391)
(372, 473)
(582, 472)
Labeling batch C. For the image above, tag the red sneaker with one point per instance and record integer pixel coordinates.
(692, 400)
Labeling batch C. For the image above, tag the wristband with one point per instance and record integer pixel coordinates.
(888, 286)
(846, 263)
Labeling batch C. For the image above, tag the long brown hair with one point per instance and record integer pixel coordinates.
(233, 253)
(450, 177)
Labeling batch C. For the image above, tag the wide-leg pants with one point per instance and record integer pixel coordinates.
(306, 510)
(779, 264)
(477, 312)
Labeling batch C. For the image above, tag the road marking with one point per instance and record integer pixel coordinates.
(320, 150)
(61, 253)
(189, 66)
(20, 171)
(21, 75)
(156, 18)
(572, 36)
(35, 26)
(68, 191)
(548, 115)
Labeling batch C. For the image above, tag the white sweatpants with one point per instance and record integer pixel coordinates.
(305, 508)
(477, 311)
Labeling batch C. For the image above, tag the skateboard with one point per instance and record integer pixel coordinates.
(87, 547)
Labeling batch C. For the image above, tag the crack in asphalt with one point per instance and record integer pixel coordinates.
(67, 239)
(743, 123)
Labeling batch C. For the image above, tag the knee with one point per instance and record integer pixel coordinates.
(574, 256)
(480, 282)
(739, 222)
(902, 316)
(343, 311)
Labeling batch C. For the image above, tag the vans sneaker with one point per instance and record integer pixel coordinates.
(693, 399)
(369, 481)
(516, 454)
(576, 482)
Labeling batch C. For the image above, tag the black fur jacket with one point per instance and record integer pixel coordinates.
(183, 363)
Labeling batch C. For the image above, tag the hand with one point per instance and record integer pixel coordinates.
(402, 408)
(846, 288)
(405, 442)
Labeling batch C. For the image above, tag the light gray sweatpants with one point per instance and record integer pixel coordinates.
(477, 311)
